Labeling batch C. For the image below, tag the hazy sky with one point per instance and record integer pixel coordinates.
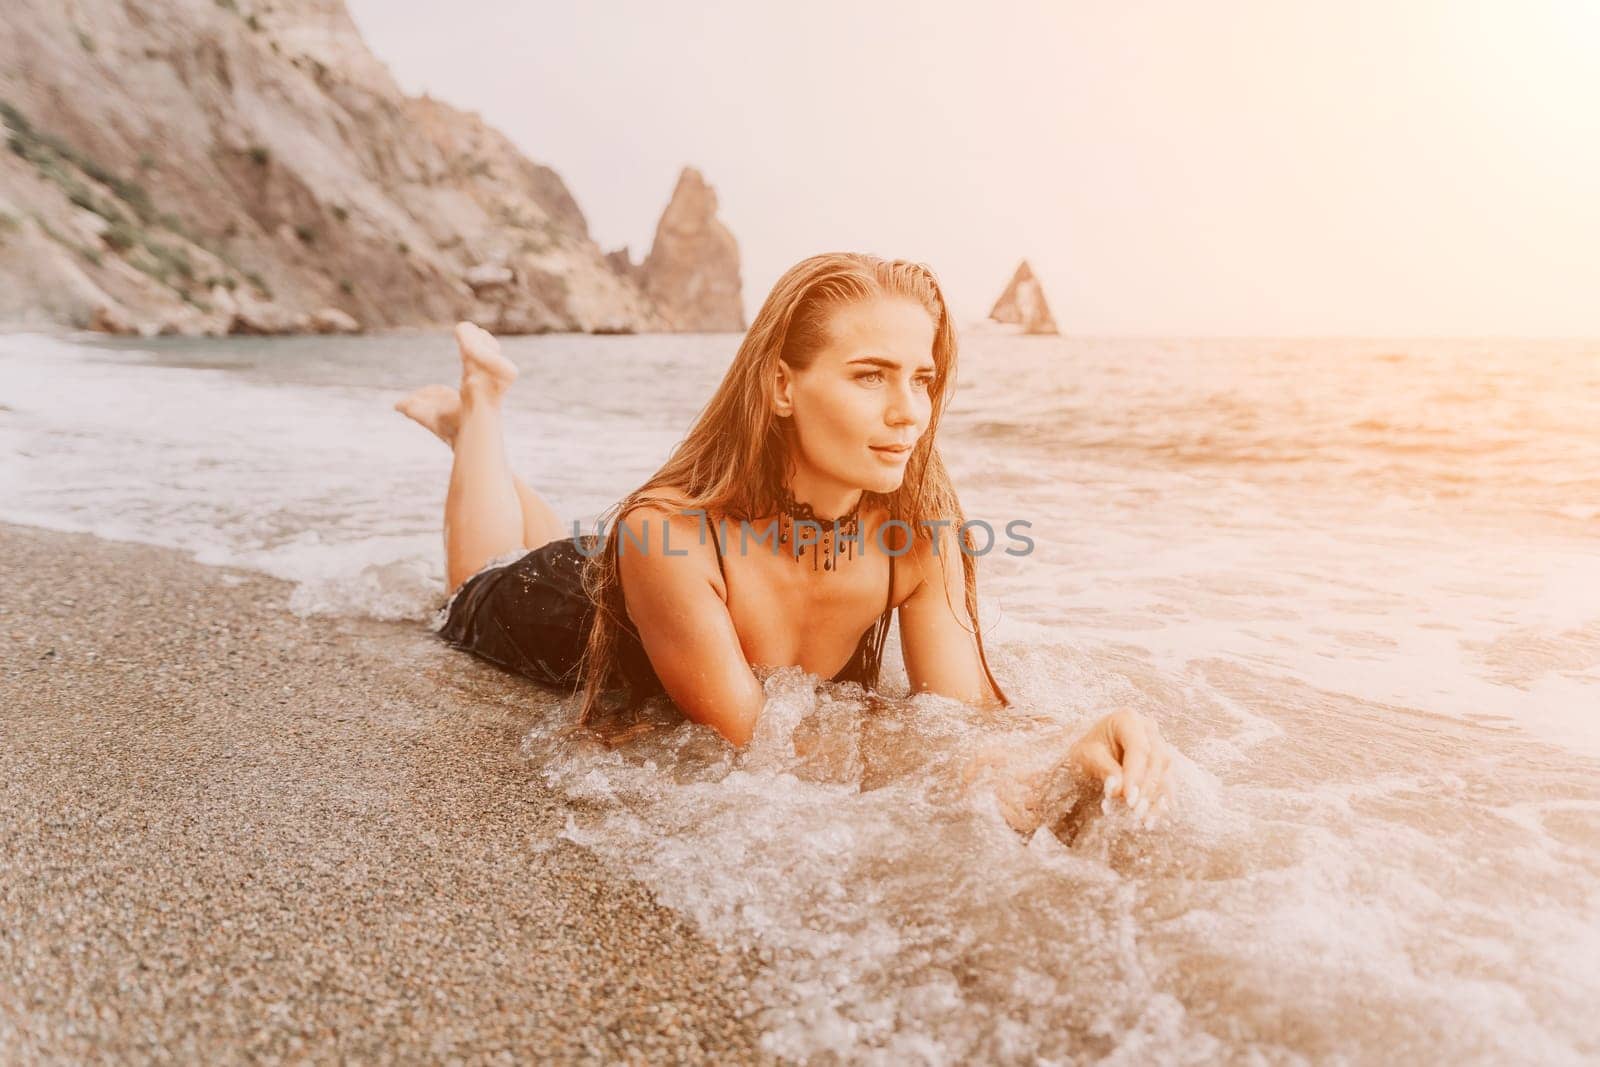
(1238, 167)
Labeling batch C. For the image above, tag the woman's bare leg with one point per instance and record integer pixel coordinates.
(486, 514)
(438, 409)
(540, 525)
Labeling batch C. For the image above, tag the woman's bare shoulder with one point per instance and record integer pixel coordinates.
(663, 533)
(662, 497)
(896, 542)
(933, 558)
(658, 505)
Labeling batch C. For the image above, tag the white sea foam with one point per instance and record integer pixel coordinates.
(902, 921)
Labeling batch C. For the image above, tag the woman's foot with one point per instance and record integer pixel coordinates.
(485, 373)
(436, 408)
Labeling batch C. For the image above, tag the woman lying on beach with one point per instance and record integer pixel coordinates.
(806, 504)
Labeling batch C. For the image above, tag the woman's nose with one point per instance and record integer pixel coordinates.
(902, 409)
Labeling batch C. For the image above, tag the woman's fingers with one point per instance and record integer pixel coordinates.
(1135, 762)
(1141, 776)
(1095, 759)
(1157, 787)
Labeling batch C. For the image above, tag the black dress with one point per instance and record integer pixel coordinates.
(531, 617)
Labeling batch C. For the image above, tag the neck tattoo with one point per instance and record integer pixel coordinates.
(823, 536)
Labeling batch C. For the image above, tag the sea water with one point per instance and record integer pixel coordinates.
(1356, 582)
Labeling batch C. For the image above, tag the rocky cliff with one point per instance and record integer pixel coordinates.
(692, 271)
(1023, 304)
(215, 166)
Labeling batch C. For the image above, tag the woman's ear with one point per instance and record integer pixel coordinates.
(783, 391)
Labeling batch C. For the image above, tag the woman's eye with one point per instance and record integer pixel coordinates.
(926, 383)
(871, 375)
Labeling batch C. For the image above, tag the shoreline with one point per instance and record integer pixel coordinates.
(235, 833)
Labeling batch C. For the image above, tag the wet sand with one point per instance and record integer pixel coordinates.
(232, 834)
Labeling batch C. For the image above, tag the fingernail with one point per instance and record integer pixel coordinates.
(1113, 784)
(1133, 795)
(1143, 809)
(1105, 806)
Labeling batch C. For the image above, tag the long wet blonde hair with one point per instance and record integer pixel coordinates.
(737, 457)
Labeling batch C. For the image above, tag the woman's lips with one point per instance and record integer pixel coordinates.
(893, 453)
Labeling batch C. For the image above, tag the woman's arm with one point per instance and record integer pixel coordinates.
(684, 624)
(1124, 751)
(936, 632)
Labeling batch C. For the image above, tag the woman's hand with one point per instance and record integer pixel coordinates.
(1126, 752)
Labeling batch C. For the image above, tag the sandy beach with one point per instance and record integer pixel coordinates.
(233, 834)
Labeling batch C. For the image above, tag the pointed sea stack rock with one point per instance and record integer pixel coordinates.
(1023, 304)
(692, 271)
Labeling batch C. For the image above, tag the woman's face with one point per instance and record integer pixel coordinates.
(866, 398)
